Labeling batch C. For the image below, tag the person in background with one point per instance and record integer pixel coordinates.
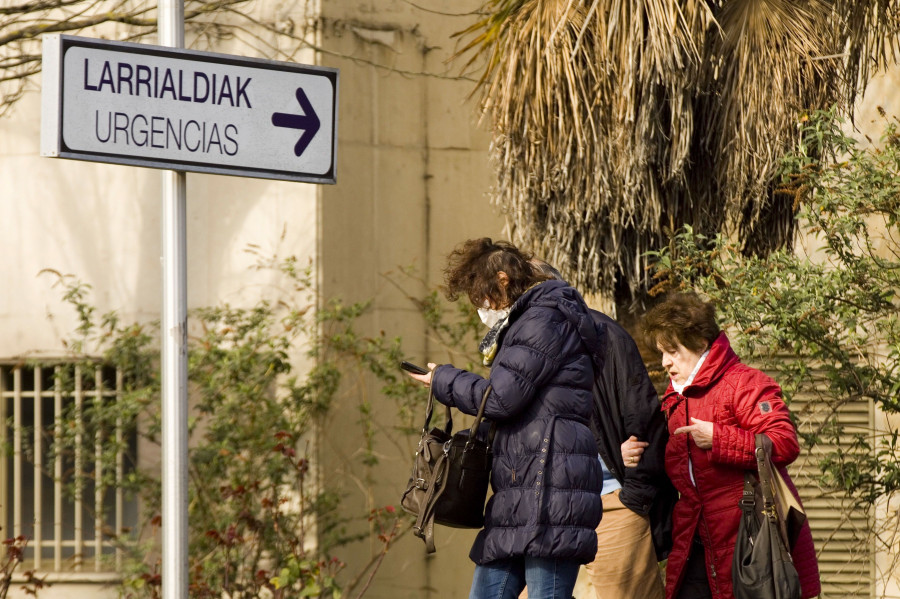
(715, 405)
(543, 351)
(636, 530)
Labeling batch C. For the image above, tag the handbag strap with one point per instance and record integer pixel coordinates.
(478, 420)
(748, 497)
(424, 526)
(764, 468)
(448, 426)
(429, 410)
(768, 485)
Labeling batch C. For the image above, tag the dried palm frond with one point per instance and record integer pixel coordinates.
(575, 93)
(617, 121)
(866, 31)
(762, 76)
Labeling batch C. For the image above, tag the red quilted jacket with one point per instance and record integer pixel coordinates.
(741, 402)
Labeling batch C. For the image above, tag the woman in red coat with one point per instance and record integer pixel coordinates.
(714, 406)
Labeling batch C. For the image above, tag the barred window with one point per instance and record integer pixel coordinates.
(65, 498)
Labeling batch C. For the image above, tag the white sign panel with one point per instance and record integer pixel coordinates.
(186, 110)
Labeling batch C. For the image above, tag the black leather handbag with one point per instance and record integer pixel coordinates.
(762, 567)
(450, 476)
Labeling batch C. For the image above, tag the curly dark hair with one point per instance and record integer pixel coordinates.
(681, 318)
(473, 266)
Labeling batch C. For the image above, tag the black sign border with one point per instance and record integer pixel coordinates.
(69, 41)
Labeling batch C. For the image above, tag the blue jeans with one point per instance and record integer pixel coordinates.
(505, 579)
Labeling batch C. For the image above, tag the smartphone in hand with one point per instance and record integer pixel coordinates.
(413, 368)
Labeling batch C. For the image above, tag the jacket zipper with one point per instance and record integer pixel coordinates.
(687, 441)
(714, 586)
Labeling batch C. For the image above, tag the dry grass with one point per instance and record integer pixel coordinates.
(617, 121)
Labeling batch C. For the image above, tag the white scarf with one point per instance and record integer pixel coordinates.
(680, 388)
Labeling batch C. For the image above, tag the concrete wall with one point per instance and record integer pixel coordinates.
(101, 223)
(413, 178)
(413, 182)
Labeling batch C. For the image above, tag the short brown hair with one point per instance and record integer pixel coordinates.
(473, 266)
(682, 318)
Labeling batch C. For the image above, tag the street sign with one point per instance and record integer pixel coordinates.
(177, 109)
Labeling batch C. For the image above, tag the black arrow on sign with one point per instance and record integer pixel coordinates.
(307, 122)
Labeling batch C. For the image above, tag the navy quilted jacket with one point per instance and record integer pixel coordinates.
(546, 476)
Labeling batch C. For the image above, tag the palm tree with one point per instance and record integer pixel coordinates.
(615, 122)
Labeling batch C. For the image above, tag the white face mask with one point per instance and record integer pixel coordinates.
(491, 317)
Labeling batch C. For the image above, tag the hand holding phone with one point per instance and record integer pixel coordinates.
(415, 369)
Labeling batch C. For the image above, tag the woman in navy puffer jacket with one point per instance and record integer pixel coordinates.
(543, 349)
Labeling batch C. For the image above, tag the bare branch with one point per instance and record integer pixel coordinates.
(208, 22)
(39, 5)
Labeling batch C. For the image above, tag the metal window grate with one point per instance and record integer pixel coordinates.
(54, 494)
(841, 531)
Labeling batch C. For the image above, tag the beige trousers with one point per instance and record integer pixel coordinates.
(625, 566)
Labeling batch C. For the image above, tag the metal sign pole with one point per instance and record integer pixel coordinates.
(174, 351)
